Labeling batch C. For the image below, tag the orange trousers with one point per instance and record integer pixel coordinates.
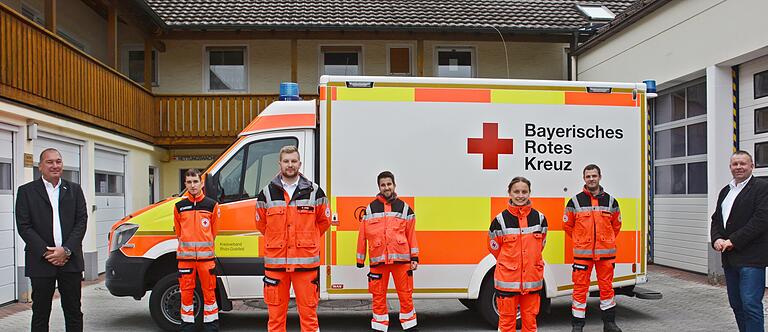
(188, 271)
(277, 294)
(529, 308)
(378, 282)
(582, 270)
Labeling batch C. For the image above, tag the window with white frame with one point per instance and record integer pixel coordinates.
(6, 176)
(400, 60)
(226, 69)
(109, 184)
(680, 140)
(341, 60)
(133, 65)
(455, 62)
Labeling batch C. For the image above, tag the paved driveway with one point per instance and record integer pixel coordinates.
(689, 304)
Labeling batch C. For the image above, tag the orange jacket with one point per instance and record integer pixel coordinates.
(389, 228)
(292, 226)
(593, 222)
(195, 221)
(516, 238)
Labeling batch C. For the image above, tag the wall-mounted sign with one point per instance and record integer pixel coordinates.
(194, 157)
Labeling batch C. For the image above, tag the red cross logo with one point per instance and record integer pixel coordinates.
(490, 146)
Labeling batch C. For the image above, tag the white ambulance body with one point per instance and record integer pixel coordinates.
(453, 145)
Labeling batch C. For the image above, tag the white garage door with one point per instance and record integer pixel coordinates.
(7, 232)
(110, 198)
(70, 154)
(680, 236)
(753, 113)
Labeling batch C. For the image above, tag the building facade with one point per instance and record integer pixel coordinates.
(712, 76)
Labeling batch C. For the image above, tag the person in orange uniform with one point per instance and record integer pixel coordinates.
(516, 238)
(292, 213)
(593, 220)
(389, 229)
(195, 218)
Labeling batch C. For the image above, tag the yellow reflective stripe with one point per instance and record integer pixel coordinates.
(554, 251)
(376, 94)
(346, 244)
(433, 215)
(527, 97)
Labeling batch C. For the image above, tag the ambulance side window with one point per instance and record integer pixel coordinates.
(251, 169)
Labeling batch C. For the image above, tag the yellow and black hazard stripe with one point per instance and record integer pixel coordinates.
(735, 89)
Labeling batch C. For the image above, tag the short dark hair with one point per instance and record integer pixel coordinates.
(743, 153)
(591, 167)
(46, 150)
(516, 180)
(192, 172)
(384, 175)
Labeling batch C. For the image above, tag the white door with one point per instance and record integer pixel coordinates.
(110, 198)
(7, 236)
(753, 113)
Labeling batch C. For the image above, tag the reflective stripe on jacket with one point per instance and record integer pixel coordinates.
(292, 226)
(389, 229)
(516, 238)
(195, 222)
(593, 222)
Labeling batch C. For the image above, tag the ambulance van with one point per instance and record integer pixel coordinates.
(453, 144)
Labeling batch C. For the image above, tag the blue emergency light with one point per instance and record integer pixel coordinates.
(289, 91)
(650, 86)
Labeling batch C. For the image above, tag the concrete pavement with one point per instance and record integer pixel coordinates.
(689, 304)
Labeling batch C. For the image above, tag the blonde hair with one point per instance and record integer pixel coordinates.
(289, 149)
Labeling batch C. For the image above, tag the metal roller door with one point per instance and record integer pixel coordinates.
(7, 229)
(110, 198)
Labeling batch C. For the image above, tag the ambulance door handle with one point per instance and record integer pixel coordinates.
(335, 219)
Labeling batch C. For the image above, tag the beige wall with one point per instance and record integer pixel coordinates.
(679, 39)
(181, 66)
(169, 169)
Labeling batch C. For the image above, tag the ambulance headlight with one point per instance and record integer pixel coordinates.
(122, 234)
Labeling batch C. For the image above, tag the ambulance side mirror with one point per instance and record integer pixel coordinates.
(212, 187)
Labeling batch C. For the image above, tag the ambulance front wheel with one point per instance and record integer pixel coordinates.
(165, 303)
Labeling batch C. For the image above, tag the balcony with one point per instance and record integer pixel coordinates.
(206, 120)
(41, 69)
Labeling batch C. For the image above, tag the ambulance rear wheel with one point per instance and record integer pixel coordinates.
(165, 304)
(469, 303)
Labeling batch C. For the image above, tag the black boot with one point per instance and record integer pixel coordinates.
(211, 327)
(578, 324)
(609, 320)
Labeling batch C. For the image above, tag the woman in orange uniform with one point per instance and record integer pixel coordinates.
(516, 238)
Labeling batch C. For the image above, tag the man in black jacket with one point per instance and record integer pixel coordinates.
(51, 218)
(740, 231)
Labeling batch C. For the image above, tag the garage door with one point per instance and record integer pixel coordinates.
(753, 113)
(70, 154)
(7, 232)
(110, 198)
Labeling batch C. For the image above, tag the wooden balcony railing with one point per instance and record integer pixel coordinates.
(41, 69)
(207, 119)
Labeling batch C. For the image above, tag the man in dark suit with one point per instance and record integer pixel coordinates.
(740, 231)
(51, 217)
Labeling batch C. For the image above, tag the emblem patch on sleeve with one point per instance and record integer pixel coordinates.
(494, 245)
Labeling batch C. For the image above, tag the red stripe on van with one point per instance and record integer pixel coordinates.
(453, 95)
(599, 99)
